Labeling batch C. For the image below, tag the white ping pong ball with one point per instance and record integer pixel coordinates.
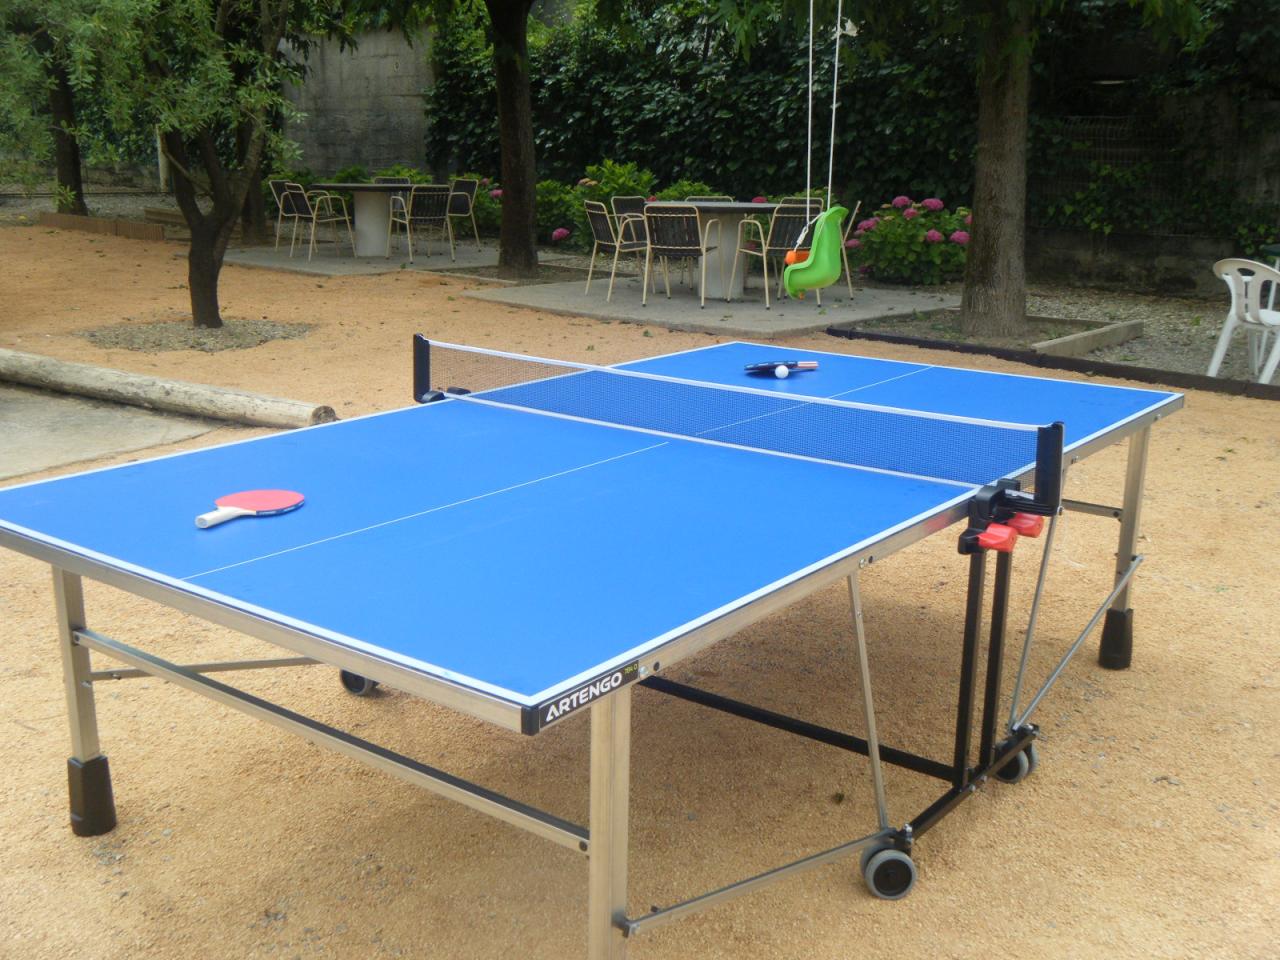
(781, 371)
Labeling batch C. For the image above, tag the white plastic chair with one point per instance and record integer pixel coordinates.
(1245, 279)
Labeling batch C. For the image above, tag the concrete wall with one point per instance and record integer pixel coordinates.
(364, 105)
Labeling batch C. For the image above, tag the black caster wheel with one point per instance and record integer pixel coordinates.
(1021, 766)
(889, 873)
(354, 683)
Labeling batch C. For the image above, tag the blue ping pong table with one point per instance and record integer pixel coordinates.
(625, 508)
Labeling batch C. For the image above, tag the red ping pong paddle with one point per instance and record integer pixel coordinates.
(250, 503)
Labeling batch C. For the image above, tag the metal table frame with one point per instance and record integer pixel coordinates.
(605, 840)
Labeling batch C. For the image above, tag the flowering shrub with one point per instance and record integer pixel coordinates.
(556, 209)
(910, 242)
(488, 208)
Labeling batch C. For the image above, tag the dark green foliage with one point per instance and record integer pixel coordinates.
(558, 206)
(668, 93)
(356, 173)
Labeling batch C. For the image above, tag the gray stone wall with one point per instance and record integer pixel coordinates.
(363, 105)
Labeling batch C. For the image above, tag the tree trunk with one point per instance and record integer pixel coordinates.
(253, 215)
(66, 148)
(203, 267)
(517, 254)
(994, 300)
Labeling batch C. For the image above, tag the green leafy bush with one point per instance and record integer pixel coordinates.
(356, 173)
(689, 188)
(402, 170)
(557, 208)
(666, 91)
(1115, 199)
(911, 242)
(608, 179)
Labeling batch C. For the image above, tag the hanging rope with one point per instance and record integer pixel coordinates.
(835, 100)
(808, 152)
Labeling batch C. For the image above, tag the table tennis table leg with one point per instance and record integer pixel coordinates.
(1116, 649)
(607, 851)
(93, 809)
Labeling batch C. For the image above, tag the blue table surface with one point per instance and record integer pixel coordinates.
(519, 554)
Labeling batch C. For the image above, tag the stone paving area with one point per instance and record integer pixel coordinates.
(746, 317)
(1179, 333)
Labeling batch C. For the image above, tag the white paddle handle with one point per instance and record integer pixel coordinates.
(221, 515)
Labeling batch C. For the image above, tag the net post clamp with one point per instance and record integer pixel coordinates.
(999, 513)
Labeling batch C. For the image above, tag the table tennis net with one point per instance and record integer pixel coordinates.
(920, 444)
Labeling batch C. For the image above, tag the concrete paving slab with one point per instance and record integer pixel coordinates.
(39, 430)
(746, 318)
(328, 262)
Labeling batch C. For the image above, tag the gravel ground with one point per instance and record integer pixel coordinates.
(1179, 334)
(179, 334)
(17, 208)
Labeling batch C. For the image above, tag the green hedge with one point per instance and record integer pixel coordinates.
(668, 93)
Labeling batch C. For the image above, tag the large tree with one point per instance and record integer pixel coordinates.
(50, 51)
(509, 21)
(210, 75)
(1004, 32)
(994, 299)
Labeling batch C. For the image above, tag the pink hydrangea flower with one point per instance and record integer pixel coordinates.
(968, 221)
(933, 204)
(910, 213)
(901, 202)
(853, 244)
(496, 194)
(933, 236)
(652, 200)
(859, 233)
(959, 237)
(559, 233)
(868, 224)
(484, 181)
(759, 200)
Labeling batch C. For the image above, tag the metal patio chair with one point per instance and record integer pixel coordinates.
(278, 189)
(426, 210)
(628, 236)
(627, 207)
(788, 222)
(404, 181)
(462, 202)
(850, 225)
(317, 207)
(677, 233)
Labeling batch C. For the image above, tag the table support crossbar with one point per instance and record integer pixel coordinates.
(1097, 509)
(1031, 623)
(665, 915)
(1121, 584)
(930, 816)
(471, 795)
(801, 728)
(216, 667)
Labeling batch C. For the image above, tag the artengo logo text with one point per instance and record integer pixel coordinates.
(590, 691)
